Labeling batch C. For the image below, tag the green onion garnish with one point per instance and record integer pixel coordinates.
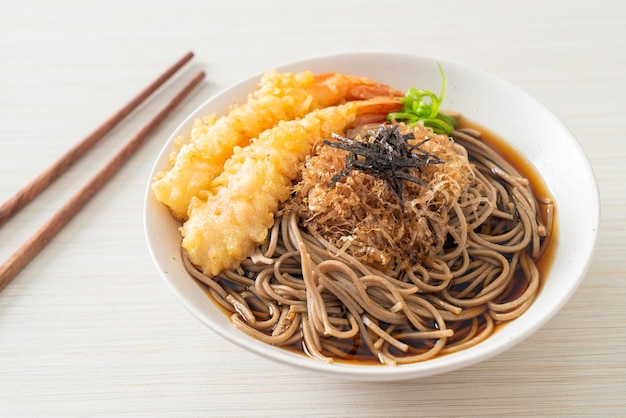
(415, 109)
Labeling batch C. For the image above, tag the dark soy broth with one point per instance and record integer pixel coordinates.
(537, 184)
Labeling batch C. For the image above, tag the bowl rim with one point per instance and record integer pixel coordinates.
(359, 372)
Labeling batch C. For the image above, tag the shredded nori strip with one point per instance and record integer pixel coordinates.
(385, 153)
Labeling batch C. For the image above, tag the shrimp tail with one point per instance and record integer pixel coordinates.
(351, 87)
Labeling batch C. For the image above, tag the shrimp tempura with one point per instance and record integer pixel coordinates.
(223, 229)
(278, 97)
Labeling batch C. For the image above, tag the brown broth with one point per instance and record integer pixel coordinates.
(537, 185)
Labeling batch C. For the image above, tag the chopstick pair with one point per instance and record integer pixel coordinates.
(16, 262)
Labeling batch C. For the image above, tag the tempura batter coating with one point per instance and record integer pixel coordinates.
(278, 97)
(224, 228)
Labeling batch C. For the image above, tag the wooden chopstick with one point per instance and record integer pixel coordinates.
(16, 262)
(43, 180)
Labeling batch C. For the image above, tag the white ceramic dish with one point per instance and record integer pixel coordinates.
(510, 113)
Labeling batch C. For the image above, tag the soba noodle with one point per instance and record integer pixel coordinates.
(299, 290)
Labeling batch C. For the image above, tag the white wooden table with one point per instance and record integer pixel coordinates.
(88, 327)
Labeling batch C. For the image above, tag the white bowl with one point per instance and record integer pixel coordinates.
(502, 108)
